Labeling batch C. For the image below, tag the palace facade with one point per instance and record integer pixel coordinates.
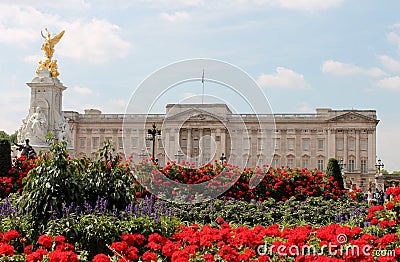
(201, 133)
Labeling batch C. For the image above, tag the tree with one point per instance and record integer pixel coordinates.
(396, 173)
(4, 136)
(5, 157)
(333, 169)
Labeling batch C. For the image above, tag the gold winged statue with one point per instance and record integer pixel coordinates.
(48, 48)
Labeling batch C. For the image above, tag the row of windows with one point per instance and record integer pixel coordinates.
(246, 143)
(134, 142)
(320, 164)
(306, 144)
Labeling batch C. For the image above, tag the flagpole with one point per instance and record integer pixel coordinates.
(202, 81)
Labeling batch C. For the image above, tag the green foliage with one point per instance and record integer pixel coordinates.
(107, 177)
(333, 169)
(4, 136)
(51, 185)
(92, 231)
(315, 211)
(383, 171)
(59, 181)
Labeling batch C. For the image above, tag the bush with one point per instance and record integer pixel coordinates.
(51, 185)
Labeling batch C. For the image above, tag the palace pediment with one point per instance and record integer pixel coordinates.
(352, 117)
(192, 115)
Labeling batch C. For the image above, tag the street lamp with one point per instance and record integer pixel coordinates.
(379, 165)
(222, 158)
(152, 134)
(378, 174)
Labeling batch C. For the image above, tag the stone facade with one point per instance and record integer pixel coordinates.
(201, 133)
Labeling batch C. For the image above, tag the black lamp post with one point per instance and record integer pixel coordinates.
(379, 165)
(222, 158)
(152, 134)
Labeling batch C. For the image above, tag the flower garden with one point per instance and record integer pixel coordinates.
(58, 208)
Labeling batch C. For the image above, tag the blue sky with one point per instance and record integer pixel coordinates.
(304, 54)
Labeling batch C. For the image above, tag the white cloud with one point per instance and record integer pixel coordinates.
(390, 63)
(344, 69)
(394, 38)
(175, 17)
(94, 42)
(285, 78)
(83, 90)
(392, 83)
(307, 5)
(396, 25)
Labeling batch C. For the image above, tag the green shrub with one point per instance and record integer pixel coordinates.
(109, 178)
(91, 232)
(51, 185)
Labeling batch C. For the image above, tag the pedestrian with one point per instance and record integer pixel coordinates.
(370, 197)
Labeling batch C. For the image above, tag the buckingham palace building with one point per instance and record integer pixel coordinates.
(202, 133)
(199, 133)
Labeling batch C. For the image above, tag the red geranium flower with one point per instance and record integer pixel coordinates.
(10, 235)
(101, 258)
(46, 241)
(149, 257)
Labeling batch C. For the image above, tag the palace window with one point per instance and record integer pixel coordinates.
(184, 142)
(363, 166)
(275, 163)
(321, 144)
(276, 143)
(95, 142)
(352, 144)
(363, 144)
(351, 165)
(339, 144)
(290, 162)
(82, 142)
(134, 142)
(305, 163)
(321, 166)
(290, 142)
(306, 144)
(195, 143)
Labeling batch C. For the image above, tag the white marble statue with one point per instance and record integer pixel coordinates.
(36, 126)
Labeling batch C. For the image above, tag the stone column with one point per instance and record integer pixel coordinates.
(345, 148)
(358, 156)
(189, 143)
(214, 155)
(371, 151)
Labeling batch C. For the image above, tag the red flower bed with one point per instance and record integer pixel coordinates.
(387, 216)
(301, 243)
(13, 182)
(280, 184)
